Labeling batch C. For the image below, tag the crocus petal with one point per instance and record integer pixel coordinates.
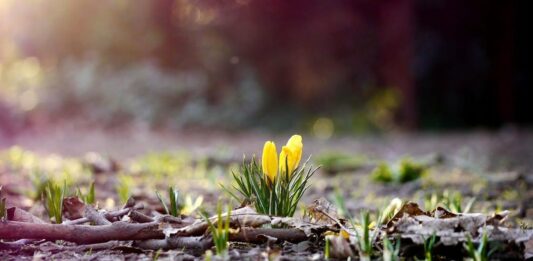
(296, 146)
(269, 160)
(287, 159)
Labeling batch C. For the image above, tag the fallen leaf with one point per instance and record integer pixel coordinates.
(307, 227)
(321, 211)
(73, 208)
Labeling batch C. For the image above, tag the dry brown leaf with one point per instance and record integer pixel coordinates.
(441, 212)
(307, 227)
(73, 208)
(453, 230)
(321, 211)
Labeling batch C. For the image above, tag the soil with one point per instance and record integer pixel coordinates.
(495, 168)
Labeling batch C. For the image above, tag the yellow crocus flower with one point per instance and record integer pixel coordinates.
(291, 154)
(296, 146)
(270, 160)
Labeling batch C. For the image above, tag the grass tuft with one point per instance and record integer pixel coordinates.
(429, 244)
(90, 197)
(220, 230)
(172, 208)
(481, 253)
(453, 201)
(278, 198)
(54, 200)
(364, 238)
(391, 252)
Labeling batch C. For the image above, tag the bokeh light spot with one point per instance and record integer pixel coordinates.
(323, 128)
(28, 100)
(234, 60)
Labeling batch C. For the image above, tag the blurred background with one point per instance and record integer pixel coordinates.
(327, 67)
(137, 95)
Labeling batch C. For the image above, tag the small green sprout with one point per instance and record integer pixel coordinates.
(391, 252)
(88, 198)
(401, 172)
(481, 253)
(364, 239)
(327, 247)
(156, 255)
(453, 201)
(221, 230)
(54, 200)
(431, 201)
(3, 211)
(124, 187)
(429, 244)
(388, 212)
(190, 205)
(173, 198)
(338, 200)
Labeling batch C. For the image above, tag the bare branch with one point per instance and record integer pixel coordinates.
(109, 215)
(140, 217)
(257, 235)
(80, 233)
(95, 216)
(199, 243)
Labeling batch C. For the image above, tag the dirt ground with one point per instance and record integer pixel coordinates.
(496, 168)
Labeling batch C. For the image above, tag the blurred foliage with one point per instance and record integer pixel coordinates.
(172, 167)
(451, 200)
(180, 63)
(125, 184)
(333, 162)
(137, 176)
(161, 164)
(403, 171)
(88, 197)
(41, 169)
(190, 205)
